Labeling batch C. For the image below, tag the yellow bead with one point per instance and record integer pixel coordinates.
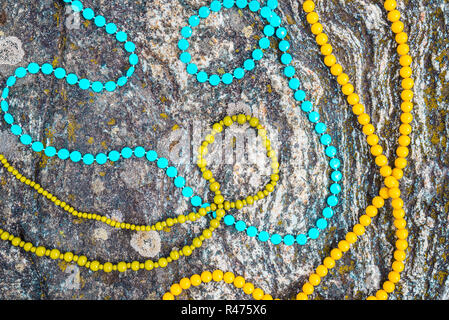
(376, 150)
(394, 193)
(330, 60)
(385, 171)
(239, 204)
(135, 265)
(168, 296)
(307, 288)
(214, 223)
(321, 270)
(402, 152)
(353, 99)
(359, 229)
(215, 186)
(405, 129)
(405, 72)
(40, 251)
(54, 254)
(400, 163)
(258, 294)
(398, 213)
(381, 160)
(394, 277)
(368, 129)
(329, 262)
(358, 109)
(401, 244)
(404, 140)
(317, 28)
(122, 266)
(107, 267)
(336, 254)
(347, 89)
(371, 298)
(371, 211)
(391, 182)
(228, 121)
(400, 223)
(365, 220)
(336, 69)
(363, 119)
(175, 289)
(185, 283)
(217, 275)
(378, 202)
(82, 260)
(195, 280)
(228, 277)
(267, 297)
(326, 49)
(187, 251)
(405, 60)
(312, 17)
(398, 266)
(351, 237)
(16, 241)
(401, 37)
(308, 6)
(239, 282)
(314, 279)
(217, 127)
(403, 49)
(399, 255)
(206, 276)
(402, 234)
(397, 27)
(343, 245)
(390, 5)
(248, 288)
(397, 173)
(407, 95)
(321, 39)
(381, 295)
(94, 265)
(241, 119)
(301, 296)
(394, 15)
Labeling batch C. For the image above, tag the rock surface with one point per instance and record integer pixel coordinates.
(164, 108)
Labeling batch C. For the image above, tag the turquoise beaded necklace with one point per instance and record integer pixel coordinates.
(320, 128)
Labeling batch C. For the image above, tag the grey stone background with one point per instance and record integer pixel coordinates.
(162, 103)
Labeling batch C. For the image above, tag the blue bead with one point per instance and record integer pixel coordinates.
(133, 59)
(84, 84)
(293, 83)
(314, 116)
(88, 159)
(100, 21)
(289, 240)
(9, 119)
(214, 80)
(47, 68)
(139, 152)
(5, 93)
(75, 156)
(63, 154)
(201, 76)
(263, 236)
(301, 239)
(325, 139)
(26, 139)
(183, 44)
(313, 233)
(194, 21)
(187, 192)
(121, 36)
(249, 64)
(179, 182)
(37, 146)
(332, 201)
(276, 239)
(110, 86)
(275, 21)
(196, 201)
(20, 72)
(239, 73)
(336, 176)
(130, 71)
(114, 155)
(130, 46)
(151, 155)
(185, 57)
(268, 30)
(286, 58)
(272, 4)
(320, 128)
(77, 6)
(33, 68)
(192, 68)
(101, 158)
(111, 28)
(264, 43)
(122, 81)
(321, 224)
(266, 12)
(257, 54)
(16, 130)
(331, 151)
(229, 220)
(227, 78)
(11, 81)
(334, 163)
(4, 105)
(281, 33)
(71, 78)
(88, 14)
(240, 225)
(335, 188)
(60, 73)
(127, 152)
(289, 71)
(50, 151)
(172, 172)
(162, 163)
(328, 213)
(284, 45)
(241, 3)
(97, 86)
(215, 6)
(186, 32)
(254, 6)
(251, 231)
(228, 3)
(204, 12)
(306, 106)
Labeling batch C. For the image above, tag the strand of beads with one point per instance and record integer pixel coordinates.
(216, 276)
(274, 28)
(391, 176)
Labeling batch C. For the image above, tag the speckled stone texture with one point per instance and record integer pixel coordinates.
(162, 105)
